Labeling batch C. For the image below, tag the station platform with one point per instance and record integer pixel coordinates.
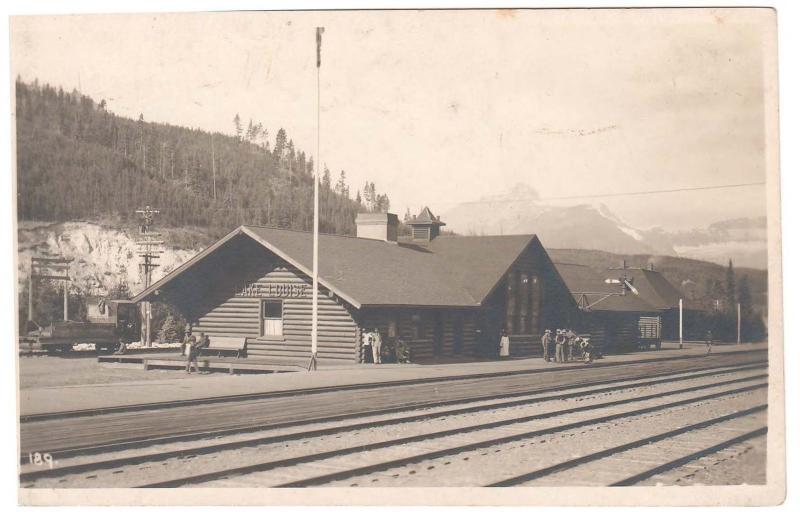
(175, 360)
(53, 400)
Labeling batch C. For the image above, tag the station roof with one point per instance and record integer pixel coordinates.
(592, 293)
(651, 285)
(447, 271)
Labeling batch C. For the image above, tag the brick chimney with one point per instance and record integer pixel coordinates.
(377, 226)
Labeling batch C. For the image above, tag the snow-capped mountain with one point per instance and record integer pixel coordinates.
(586, 226)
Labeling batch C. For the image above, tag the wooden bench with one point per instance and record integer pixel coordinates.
(220, 344)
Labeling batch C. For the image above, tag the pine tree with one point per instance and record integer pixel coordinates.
(325, 182)
(280, 145)
(169, 330)
(341, 184)
(745, 297)
(237, 126)
(730, 289)
(249, 132)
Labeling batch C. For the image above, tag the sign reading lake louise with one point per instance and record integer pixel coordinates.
(280, 290)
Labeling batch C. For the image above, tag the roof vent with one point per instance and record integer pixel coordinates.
(425, 226)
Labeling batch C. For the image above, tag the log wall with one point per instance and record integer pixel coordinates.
(226, 311)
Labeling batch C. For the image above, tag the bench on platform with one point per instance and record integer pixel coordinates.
(219, 344)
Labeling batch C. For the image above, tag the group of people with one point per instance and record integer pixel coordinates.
(566, 346)
(373, 339)
(190, 347)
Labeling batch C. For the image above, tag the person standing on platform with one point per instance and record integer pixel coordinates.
(560, 346)
(366, 340)
(546, 341)
(190, 351)
(505, 344)
(709, 342)
(376, 346)
(186, 340)
(572, 340)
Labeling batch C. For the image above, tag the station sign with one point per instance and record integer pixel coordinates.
(276, 290)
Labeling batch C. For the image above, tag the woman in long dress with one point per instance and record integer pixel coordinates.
(505, 344)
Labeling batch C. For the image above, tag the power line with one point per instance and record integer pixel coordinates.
(558, 198)
(613, 194)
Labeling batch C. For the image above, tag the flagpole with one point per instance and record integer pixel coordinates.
(312, 365)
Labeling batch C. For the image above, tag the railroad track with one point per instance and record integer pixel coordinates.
(541, 414)
(688, 362)
(81, 435)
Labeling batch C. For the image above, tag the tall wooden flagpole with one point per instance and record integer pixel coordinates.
(312, 365)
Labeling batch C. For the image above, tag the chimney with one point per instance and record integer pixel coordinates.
(377, 226)
(624, 264)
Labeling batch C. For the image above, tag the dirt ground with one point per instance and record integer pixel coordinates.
(48, 371)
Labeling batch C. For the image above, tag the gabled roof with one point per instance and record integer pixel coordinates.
(652, 286)
(425, 218)
(448, 271)
(592, 293)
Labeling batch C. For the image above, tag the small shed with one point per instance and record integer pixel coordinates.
(615, 316)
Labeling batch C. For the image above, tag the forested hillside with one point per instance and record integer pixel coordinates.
(77, 160)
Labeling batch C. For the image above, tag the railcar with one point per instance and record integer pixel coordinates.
(108, 323)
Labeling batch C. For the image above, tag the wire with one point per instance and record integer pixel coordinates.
(614, 194)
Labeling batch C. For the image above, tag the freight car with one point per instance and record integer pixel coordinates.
(108, 323)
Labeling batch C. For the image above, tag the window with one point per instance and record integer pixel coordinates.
(272, 318)
(512, 312)
(524, 292)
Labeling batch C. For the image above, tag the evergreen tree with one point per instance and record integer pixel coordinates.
(169, 333)
(237, 126)
(341, 184)
(745, 297)
(249, 132)
(280, 144)
(325, 181)
(730, 289)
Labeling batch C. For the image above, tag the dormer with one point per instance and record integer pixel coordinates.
(425, 226)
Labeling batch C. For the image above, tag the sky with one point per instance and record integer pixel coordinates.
(443, 107)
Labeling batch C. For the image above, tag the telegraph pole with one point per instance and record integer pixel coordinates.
(738, 323)
(50, 268)
(150, 243)
(680, 323)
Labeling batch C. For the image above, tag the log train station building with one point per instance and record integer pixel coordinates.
(443, 296)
